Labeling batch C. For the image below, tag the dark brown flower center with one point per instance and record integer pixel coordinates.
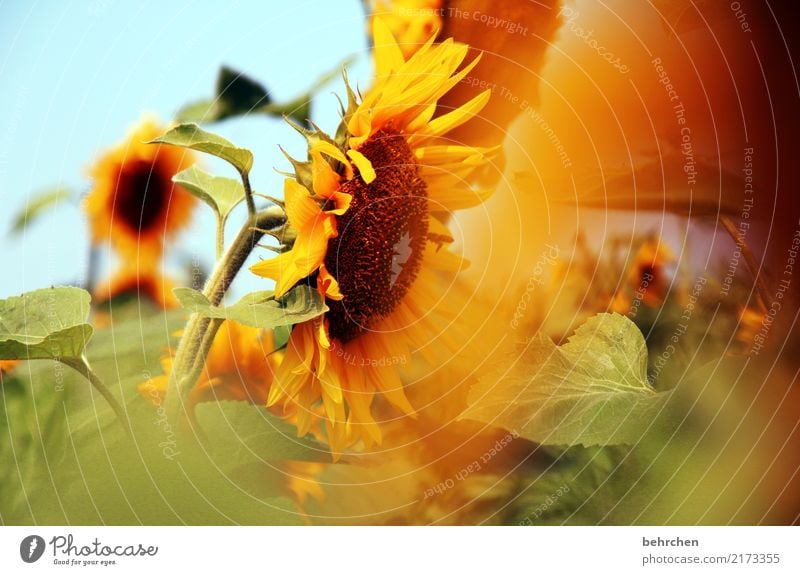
(142, 194)
(377, 254)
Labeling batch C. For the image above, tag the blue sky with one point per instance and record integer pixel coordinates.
(77, 75)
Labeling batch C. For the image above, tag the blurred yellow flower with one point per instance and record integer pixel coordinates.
(647, 279)
(412, 22)
(7, 365)
(142, 280)
(751, 322)
(240, 366)
(133, 203)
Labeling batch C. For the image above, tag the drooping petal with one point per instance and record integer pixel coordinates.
(363, 164)
(327, 285)
(301, 209)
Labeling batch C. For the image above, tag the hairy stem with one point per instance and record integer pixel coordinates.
(194, 344)
(220, 244)
(248, 194)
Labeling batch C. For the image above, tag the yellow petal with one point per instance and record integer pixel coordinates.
(327, 285)
(301, 261)
(342, 202)
(454, 119)
(328, 149)
(300, 207)
(363, 164)
(324, 177)
(388, 56)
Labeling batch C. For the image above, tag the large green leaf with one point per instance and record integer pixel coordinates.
(38, 205)
(222, 194)
(592, 390)
(45, 324)
(259, 309)
(193, 137)
(70, 462)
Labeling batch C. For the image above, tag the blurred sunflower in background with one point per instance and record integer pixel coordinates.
(369, 208)
(7, 365)
(136, 208)
(412, 22)
(647, 279)
(240, 366)
(140, 279)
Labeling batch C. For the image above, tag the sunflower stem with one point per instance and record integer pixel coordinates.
(220, 237)
(202, 352)
(248, 194)
(762, 292)
(199, 331)
(80, 365)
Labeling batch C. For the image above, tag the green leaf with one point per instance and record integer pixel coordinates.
(244, 433)
(235, 95)
(222, 194)
(193, 137)
(70, 462)
(592, 390)
(258, 309)
(45, 324)
(39, 205)
(238, 94)
(197, 112)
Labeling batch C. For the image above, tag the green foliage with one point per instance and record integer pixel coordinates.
(238, 95)
(193, 137)
(240, 433)
(235, 95)
(38, 206)
(592, 390)
(45, 324)
(259, 309)
(222, 194)
(68, 461)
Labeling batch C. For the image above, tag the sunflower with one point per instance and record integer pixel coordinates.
(142, 279)
(513, 38)
(368, 208)
(412, 22)
(751, 321)
(240, 366)
(134, 204)
(647, 277)
(7, 365)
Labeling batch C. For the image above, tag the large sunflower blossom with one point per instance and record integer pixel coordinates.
(368, 208)
(134, 204)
